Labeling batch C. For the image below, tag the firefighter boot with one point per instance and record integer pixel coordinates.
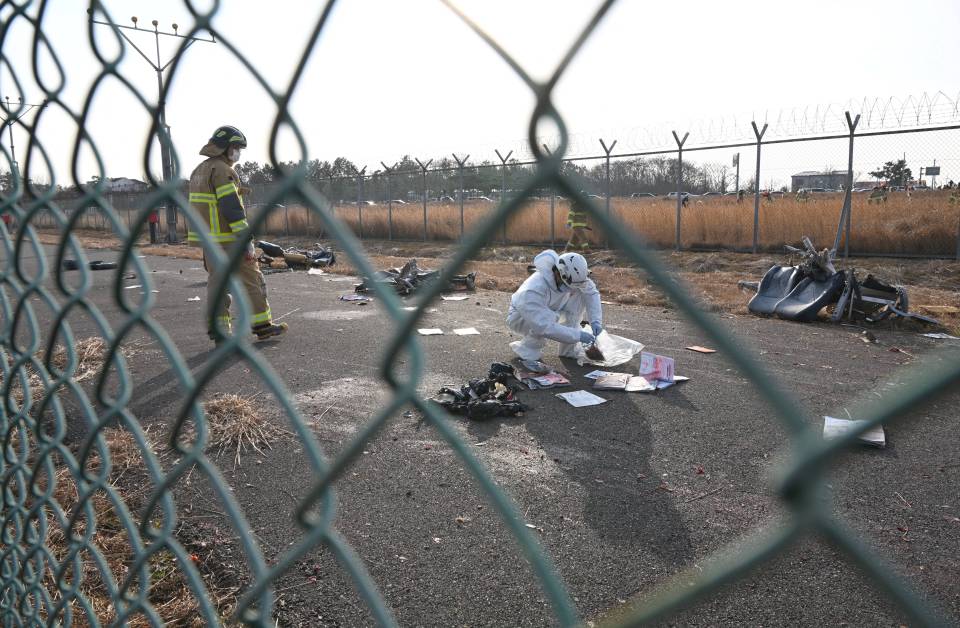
(269, 330)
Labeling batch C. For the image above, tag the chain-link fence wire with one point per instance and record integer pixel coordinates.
(366, 203)
(41, 585)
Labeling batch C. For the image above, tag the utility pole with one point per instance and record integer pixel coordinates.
(163, 131)
(10, 120)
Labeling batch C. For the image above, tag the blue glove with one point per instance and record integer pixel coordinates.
(597, 327)
(587, 338)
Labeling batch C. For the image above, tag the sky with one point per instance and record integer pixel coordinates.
(390, 78)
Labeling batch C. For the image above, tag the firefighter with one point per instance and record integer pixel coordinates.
(577, 223)
(215, 196)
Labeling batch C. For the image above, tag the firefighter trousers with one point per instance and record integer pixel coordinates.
(247, 272)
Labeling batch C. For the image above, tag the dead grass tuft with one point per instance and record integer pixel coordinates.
(238, 424)
(168, 590)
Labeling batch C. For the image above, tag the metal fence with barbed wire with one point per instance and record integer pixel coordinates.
(42, 582)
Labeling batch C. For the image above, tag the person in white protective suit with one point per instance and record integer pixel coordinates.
(551, 303)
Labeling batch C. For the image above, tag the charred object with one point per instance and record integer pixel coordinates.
(798, 292)
(486, 398)
(409, 278)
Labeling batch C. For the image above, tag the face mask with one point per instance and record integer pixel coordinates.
(233, 154)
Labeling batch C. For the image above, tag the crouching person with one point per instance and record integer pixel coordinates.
(551, 303)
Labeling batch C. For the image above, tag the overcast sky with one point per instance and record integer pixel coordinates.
(389, 78)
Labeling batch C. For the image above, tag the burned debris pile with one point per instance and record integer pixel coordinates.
(410, 278)
(798, 292)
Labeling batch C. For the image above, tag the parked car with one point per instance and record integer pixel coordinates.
(643, 195)
(710, 194)
(673, 195)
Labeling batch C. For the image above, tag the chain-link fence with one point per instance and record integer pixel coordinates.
(802, 190)
(66, 444)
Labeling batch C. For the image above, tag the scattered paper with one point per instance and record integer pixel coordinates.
(315, 271)
(430, 332)
(467, 331)
(193, 299)
(607, 302)
(612, 381)
(408, 308)
(680, 378)
(453, 298)
(155, 291)
(581, 398)
(547, 380)
(354, 297)
(941, 336)
(639, 383)
(535, 366)
(131, 287)
(596, 374)
(656, 367)
(700, 349)
(835, 428)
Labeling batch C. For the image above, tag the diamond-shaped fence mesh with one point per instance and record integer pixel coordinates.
(80, 546)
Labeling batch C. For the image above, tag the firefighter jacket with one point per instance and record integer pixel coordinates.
(215, 196)
(577, 216)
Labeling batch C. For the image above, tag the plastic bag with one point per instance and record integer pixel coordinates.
(616, 350)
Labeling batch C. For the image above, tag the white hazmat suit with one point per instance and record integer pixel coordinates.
(540, 310)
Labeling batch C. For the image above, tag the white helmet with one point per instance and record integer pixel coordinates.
(573, 268)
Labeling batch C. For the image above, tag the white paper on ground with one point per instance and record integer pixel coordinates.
(408, 308)
(131, 287)
(430, 332)
(454, 298)
(680, 378)
(835, 428)
(596, 374)
(581, 398)
(467, 331)
(315, 271)
(941, 336)
(616, 350)
(638, 383)
(193, 299)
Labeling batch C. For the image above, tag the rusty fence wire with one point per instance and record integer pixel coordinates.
(59, 490)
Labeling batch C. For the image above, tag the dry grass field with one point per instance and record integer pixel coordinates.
(926, 224)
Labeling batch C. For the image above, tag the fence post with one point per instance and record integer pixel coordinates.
(460, 163)
(680, 143)
(608, 151)
(503, 186)
(553, 198)
(756, 186)
(389, 202)
(848, 196)
(360, 202)
(423, 173)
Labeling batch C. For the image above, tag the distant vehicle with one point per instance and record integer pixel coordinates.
(643, 195)
(729, 193)
(398, 201)
(446, 199)
(594, 196)
(710, 194)
(368, 202)
(673, 195)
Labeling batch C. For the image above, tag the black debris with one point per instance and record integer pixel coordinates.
(486, 398)
(410, 278)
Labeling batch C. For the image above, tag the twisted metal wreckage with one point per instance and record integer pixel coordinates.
(798, 292)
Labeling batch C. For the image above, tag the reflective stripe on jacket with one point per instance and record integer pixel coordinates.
(215, 196)
(576, 218)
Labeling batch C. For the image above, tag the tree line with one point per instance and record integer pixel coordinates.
(341, 180)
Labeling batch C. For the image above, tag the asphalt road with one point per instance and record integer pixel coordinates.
(616, 492)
